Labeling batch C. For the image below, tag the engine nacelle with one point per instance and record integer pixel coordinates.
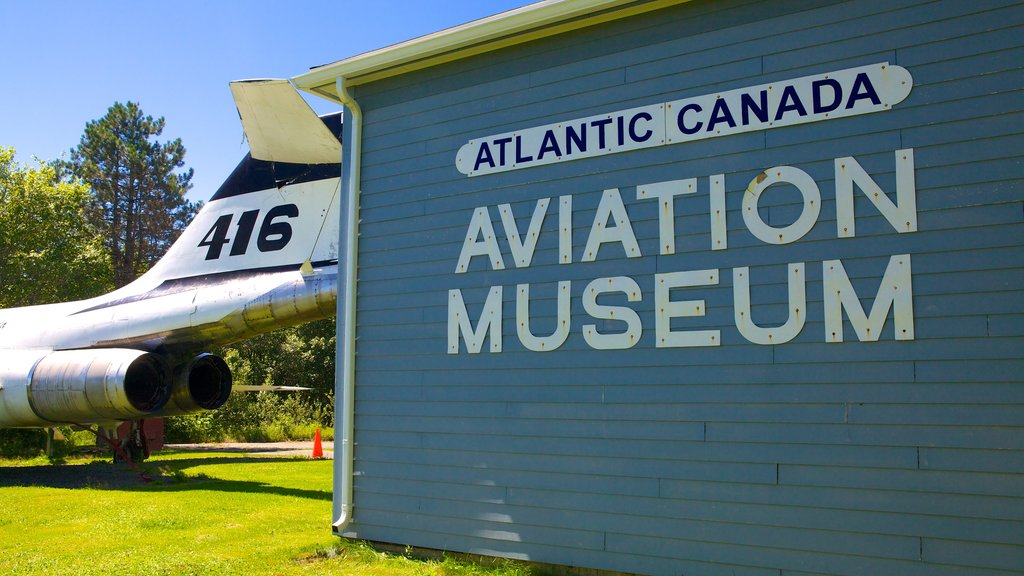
(202, 384)
(43, 388)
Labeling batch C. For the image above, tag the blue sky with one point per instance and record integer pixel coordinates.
(65, 63)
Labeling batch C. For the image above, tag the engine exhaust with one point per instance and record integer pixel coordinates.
(202, 384)
(94, 385)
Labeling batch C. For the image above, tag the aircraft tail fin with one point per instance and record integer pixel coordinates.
(280, 125)
(278, 208)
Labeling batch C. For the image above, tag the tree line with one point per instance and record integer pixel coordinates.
(79, 227)
(71, 229)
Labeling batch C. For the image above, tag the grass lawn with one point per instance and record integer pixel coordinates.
(206, 513)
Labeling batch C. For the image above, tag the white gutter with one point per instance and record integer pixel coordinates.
(537, 20)
(344, 407)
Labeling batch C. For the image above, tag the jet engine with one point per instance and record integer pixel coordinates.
(42, 387)
(202, 384)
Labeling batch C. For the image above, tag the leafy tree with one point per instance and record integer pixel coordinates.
(48, 250)
(139, 201)
(299, 356)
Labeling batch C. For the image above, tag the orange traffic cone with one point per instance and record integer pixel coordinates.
(318, 449)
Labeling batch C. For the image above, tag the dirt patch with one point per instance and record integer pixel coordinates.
(270, 449)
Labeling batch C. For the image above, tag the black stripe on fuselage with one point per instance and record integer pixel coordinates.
(253, 175)
(178, 285)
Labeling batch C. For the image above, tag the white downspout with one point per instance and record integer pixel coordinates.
(344, 406)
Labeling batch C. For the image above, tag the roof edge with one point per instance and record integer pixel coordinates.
(516, 26)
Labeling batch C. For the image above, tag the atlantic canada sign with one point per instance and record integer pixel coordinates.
(849, 92)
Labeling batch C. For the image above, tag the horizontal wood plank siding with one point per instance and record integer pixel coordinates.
(808, 457)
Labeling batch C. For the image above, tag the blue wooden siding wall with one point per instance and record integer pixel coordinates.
(887, 457)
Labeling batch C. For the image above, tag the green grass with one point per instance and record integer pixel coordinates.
(277, 433)
(206, 514)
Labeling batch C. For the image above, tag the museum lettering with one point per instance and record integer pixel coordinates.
(611, 225)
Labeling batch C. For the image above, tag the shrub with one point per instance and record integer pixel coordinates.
(259, 417)
(31, 442)
(22, 443)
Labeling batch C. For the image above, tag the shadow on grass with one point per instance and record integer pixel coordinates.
(167, 476)
(241, 486)
(201, 460)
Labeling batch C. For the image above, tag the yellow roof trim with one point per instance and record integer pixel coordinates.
(531, 22)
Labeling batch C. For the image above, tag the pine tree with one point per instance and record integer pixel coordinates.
(139, 203)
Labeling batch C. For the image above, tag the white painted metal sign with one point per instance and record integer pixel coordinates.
(838, 94)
